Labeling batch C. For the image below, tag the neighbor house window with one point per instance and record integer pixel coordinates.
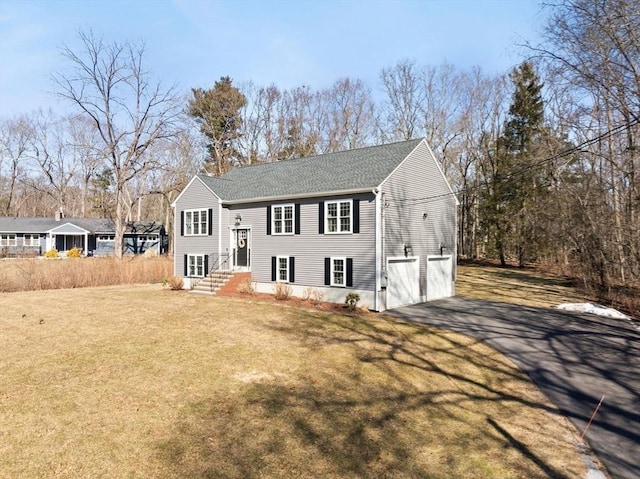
(195, 265)
(282, 220)
(338, 271)
(31, 240)
(107, 238)
(338, 216)
(195, 222)
(283, 269)
(8, 240)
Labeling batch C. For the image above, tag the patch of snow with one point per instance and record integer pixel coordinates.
(593, 308)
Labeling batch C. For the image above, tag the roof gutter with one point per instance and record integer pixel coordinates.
(299, 196)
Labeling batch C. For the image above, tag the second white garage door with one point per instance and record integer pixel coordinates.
(403, 282)
(439, 274)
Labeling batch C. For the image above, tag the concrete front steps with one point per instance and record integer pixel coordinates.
(212, 283)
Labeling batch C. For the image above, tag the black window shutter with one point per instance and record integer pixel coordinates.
(210, 222)
(292, 269)
(321, 217)
(356, 216)
(268, 220)
(206, 264)
(273, 268)
(186, 266)
(297, 218)
(349, 272)
(327, 271)
(182, 224)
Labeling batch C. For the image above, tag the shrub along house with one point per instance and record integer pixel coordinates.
(93, 236)
(379, 221)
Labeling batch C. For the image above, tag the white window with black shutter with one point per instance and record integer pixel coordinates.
(339, 217)
(196, 265)
(283, 219)
(283, 269)
(338, 272)
(196, 222)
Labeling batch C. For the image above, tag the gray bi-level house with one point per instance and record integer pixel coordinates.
(379, 221)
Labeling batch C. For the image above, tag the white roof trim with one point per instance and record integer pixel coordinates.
(444, 177)
(325, 194)
(400, 164)
(173, 205)
(433, 158)
(65, 224)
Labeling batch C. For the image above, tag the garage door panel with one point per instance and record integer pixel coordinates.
(403, 282)
(439, 277)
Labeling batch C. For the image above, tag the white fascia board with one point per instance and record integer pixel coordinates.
(400, 164)
(444, 177)
(52, 230)
(433, 158)
(322, 194)
(173, 205)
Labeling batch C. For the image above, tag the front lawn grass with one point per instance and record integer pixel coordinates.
(128, 382)
(523, 286)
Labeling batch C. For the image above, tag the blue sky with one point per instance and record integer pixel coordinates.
(192, 43)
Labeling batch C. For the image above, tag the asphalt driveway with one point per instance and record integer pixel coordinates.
(575, 359)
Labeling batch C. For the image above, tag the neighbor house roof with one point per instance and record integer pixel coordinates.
(360, 169)
(92, 225)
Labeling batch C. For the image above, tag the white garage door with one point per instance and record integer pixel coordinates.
(439, 277)
(403, 282)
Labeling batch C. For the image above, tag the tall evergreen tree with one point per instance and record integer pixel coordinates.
(512, 184)
(217, 111)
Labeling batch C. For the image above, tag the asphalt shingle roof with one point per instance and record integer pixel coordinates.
(362, 168)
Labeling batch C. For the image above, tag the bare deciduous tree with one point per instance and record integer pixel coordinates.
(108, 84)
(405, 96)
(15, 138)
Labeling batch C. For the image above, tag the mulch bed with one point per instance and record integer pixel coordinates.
(293, 301)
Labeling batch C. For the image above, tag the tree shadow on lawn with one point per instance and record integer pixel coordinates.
(393, 411)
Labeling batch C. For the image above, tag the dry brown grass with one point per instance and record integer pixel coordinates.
(526, 286)
(147, 382)
(39, 273)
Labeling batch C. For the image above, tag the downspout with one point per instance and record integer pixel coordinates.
(377, 247)
(383, 255)
(220, 233)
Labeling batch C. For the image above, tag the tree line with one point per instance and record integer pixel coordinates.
(544, 158)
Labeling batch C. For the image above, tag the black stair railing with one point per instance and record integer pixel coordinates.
(217, 261)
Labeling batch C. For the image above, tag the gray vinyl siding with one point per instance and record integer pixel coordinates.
(309, 248)
(20, 249)
(195, 197)
(227, 219)
(416, 188)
